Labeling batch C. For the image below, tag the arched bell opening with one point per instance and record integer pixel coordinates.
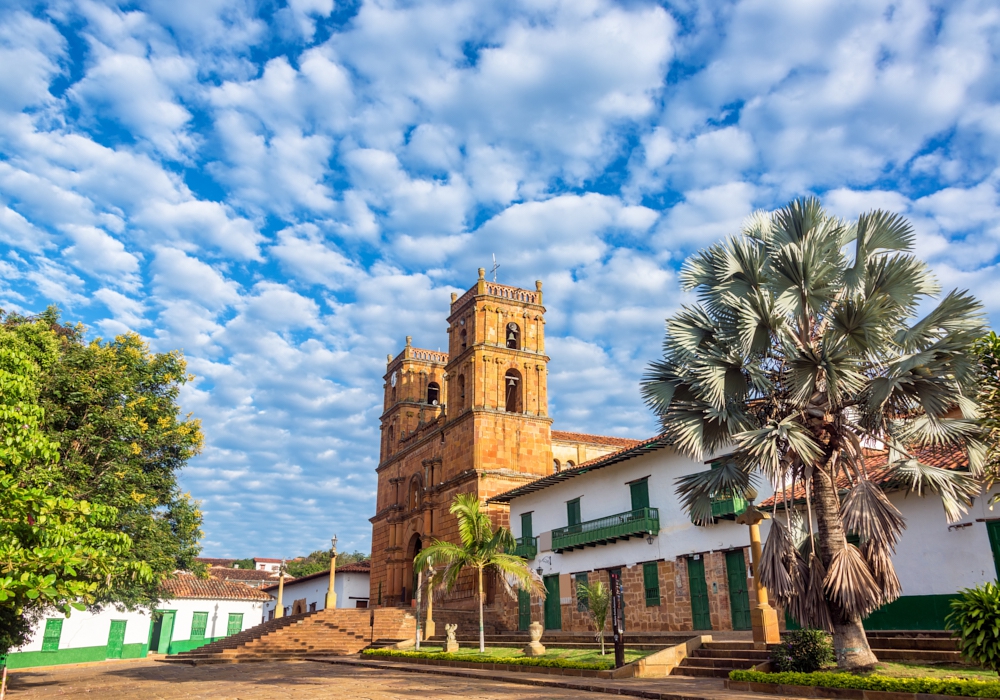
(513, 336)
(433, 394)
(512, 391)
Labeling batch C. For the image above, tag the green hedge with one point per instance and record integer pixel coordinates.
(934, 686)
(510, 660)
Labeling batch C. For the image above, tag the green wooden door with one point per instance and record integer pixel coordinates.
(553, 611)
(235, 624)
(166, 632)
(700, 619)
(739, 596)
(53, 631)
(116, 639)
(523, 610)
(640, 494)
(573, 512)
(526, 532)
(199, 623)
(993, 530)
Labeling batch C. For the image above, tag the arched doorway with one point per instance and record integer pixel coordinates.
(412, 550)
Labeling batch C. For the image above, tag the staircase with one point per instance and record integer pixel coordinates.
(717, 659)
(932, 646)
(323, 633)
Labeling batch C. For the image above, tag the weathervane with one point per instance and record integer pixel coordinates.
(495, 266)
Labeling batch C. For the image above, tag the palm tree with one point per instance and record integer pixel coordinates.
(482, 547)
(799, 358)
(598, 600)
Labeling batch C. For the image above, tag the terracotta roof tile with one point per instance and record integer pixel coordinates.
(594, 439)
(212, 589)
(876, 461)
(267, 561)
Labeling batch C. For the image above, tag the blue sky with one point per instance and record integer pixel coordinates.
(285, 190)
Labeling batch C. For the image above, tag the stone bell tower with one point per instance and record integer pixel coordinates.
(473, 420)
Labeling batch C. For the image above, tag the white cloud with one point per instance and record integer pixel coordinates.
(94, 251)
(176, 274)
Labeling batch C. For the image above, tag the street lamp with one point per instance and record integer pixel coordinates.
(331, 595)
(763, 618)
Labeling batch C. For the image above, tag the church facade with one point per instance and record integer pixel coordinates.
(472, 420)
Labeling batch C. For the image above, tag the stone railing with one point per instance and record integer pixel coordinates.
(428, 355)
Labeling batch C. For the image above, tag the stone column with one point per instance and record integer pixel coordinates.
(763, 618)
(279, 610)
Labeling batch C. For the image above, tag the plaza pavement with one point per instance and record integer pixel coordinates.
(334, 678)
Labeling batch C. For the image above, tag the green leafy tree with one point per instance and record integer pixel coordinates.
(55, 552)
(805, 346)
(245, 564)
(320, 561)
(598, 601)
(112, 408)
(482, 547)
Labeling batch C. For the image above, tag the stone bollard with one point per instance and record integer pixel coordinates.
(535, 647)
(450, 644)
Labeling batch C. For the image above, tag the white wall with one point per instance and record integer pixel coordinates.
(605, 492)
(218, 615)
(86, 629)
(349, 587)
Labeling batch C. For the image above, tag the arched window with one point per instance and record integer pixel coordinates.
(391, 435)
(557, 466)
(414, 494)
(512, 384)
(513, 336)
(461, 388)
(433, 394)
(570, 464)
(465, 341)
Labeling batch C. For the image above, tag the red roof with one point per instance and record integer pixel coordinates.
(267, 561)
(946, 457)
(242, 574)
(594, 439)
(187, 586)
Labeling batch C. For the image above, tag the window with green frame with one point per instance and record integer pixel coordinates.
(199, 623)
(573, 512)
(581, 600)
(651, 582)
(53, 632)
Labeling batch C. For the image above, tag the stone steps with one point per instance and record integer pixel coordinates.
(717, 659)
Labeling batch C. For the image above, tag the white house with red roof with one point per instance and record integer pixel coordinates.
(308, 593)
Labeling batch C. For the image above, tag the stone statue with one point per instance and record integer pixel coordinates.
(450, 644)
(535, 647)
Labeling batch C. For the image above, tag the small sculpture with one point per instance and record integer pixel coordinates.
(450, 644)
(535, 647)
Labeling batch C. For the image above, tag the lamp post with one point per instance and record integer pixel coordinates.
(331, 595)
(279, 610)
(763, 618)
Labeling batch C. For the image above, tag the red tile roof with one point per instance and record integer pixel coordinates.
(876, 461)
(242, 574)
(187, 586)
(594, 439)
(267, 561)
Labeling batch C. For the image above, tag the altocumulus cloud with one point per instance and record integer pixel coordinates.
(285, 190)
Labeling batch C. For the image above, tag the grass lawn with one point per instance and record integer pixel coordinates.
(905, 670)
(577, 655)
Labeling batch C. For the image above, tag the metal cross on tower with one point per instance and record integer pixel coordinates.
(495, 266)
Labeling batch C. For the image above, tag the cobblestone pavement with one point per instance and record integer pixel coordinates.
(150, 680)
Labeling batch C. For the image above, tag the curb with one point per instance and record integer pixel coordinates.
(817, 691)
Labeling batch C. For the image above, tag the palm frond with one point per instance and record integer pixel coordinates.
(956, 489)
(815, 611)
(774, 575)
(867, 512)
(879, 560)
(697, 490)
(849, 583)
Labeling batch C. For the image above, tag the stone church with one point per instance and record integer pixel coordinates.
(472, 420)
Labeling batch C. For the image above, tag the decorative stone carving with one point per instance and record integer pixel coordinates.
(535, 647)
(450, 644)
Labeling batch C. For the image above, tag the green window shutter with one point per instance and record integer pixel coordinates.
(199, 622)
(581, 600)
(235, 624)
(640, 494)
(651, 581)
(993, 530)
(573, 512)
(53, 631)
(526, 526)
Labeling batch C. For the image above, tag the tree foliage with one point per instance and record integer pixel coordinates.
(320, 561)
(482, 547)
(804, 347)
(598, 600)
(988, 350)
(975, 615)
(111, 406)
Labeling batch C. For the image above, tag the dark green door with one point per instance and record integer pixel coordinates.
(573, 512)
(166, 632)
(993, 530)
(116, 639)
(553, 611)
(235, 624)
(526, 532)
(640, 494)
(739, 597)
(700, 619)
(523, 610)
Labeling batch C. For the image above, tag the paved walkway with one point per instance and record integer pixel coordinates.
(336, 677)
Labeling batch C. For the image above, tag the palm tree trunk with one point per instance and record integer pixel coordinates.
(482, 638)
(849, 640)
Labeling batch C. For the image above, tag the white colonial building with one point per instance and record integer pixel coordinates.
(308, 593)
(195, 612)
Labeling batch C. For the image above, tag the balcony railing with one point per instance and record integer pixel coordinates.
(728, 508)
(527, 547)
(633, 523)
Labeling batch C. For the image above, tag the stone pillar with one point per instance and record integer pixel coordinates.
(331, 595)
(429, 627)
(763, 618)
(279, 609)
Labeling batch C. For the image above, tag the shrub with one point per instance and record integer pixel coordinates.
(975, 615)
(933, 686)
(803, 650)
(510, 660)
